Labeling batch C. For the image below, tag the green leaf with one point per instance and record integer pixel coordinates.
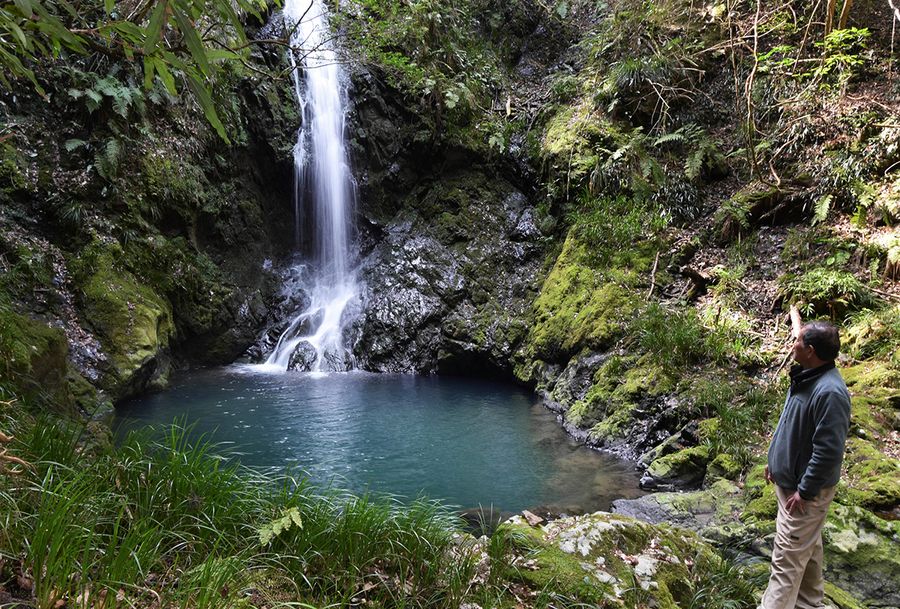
(25, 7)
(20, 35)
(206, 103)
(109, 5)
(165, 76)
(228, 13)
(154, 30)
(823, 204)
(562, 9)
(74, 144)
(194, 44)
(221, 55)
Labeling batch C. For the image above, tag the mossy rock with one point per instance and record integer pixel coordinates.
(34, 365)
(762, 504)
(873, 478)
(724, 466)
(683, 469)
(572, 137)
(610, 560)
(577, 307)
(134, 324)
(712, 512)
(617, 386)
(616, 424)
(861, 555)
(841, 598)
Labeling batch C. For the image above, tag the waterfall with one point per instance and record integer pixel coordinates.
(323, 189)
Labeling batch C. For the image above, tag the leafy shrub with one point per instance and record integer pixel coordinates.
(826, 291)
(842, 60)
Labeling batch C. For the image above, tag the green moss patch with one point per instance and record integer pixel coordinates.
(133, 324)
(578, 307)
(873, 478)
(686, 467)
(861, 554)
(33, 359)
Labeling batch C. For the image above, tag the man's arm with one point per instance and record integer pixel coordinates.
(796, 322)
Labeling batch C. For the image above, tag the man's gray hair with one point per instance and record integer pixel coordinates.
(823, 338)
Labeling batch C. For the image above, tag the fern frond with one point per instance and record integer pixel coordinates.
(693, 164)
(821, 208)
(675, 136)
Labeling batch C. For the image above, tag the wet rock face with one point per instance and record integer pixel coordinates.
(449, 292)
(450, 250)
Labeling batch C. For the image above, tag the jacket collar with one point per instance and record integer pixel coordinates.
(801, 376)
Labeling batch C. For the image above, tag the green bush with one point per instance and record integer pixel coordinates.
(826, 291)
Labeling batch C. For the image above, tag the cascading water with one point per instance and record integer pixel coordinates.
(323, 188)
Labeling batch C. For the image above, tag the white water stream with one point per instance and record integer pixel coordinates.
(324, 189)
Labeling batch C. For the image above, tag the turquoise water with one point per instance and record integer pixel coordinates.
(469, 443)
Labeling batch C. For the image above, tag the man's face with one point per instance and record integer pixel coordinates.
(803, 353)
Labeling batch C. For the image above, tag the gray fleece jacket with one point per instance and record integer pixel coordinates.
(808, 445)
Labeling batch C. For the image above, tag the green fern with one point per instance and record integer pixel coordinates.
(289, 518)
(821, 208)
(107, 159)
(668, 138)
(694, 163)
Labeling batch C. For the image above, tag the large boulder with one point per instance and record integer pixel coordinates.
(610, 560)
(861, 555)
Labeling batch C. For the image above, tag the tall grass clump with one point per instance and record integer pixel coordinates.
(675, 338)
(720, 583)
(377, 547)
(741, 421)
(169, 521)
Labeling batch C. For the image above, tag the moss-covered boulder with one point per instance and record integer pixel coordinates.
(683, 469)
(134, 324)
(702, 511)
(873, 477)
(861, 555)
(610, 560)
(33, 361)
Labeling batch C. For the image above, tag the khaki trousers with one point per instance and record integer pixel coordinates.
(796, 581)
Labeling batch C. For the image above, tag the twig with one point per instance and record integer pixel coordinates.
(887, 295)
(653, 275)
(783, 361)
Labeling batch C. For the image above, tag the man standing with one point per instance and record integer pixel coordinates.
(805, 464)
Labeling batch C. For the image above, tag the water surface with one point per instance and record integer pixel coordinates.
(466, 442)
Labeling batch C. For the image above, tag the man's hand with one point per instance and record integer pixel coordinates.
(767, 475)
(795, 503)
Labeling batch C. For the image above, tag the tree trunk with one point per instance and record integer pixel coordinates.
(845, 14)
(829, 16)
